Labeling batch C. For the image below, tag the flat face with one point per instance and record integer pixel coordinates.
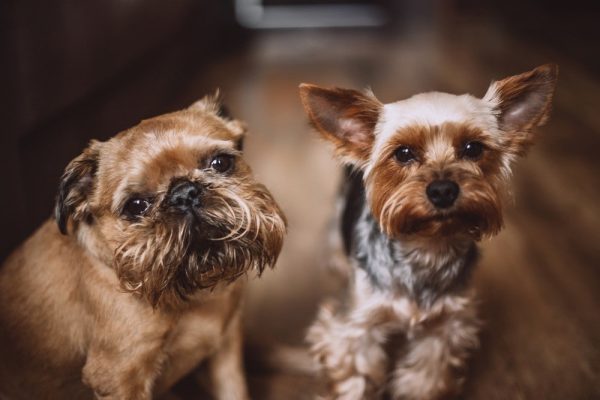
(172, 206)
(144, 159)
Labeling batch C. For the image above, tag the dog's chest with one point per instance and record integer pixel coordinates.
(424, 270)
(198, 334)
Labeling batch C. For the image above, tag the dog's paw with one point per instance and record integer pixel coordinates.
(421, 384)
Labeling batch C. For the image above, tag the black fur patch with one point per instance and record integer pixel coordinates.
(74, 187)
(389, 263)
(354, 193)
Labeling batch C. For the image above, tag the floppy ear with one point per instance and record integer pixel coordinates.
(523, 102)
(345, 117)
(75, 186)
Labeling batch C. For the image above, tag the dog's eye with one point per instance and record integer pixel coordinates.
(404, 154)
(472, 150)
(222, 163)
(136, 207)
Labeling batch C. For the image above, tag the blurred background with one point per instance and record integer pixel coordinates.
(77, 70)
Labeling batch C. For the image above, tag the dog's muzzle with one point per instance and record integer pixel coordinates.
(184, 196)
(442, 193)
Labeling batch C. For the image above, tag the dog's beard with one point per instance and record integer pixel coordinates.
(476, 213)
(168, 258)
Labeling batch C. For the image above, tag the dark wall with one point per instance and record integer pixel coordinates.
(569, 26)
(77, 70)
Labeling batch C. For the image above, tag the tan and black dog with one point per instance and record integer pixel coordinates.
(428, 178)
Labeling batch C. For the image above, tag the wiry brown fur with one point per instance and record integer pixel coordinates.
(238, 239)
(409, 321)
(101, 304)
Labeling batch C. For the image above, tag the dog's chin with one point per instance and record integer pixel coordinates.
(449, 224)
(211, 261)
(167, 263)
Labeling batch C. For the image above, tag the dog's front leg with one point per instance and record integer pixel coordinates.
(431, 367)
(123, 372)
(226, 366)
(349, 348)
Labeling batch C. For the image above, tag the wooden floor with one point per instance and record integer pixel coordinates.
(539, 280)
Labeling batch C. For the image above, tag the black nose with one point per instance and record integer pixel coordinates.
(443, 193)
(183, 196)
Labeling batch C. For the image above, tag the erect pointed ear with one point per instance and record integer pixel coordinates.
(345, 117)
(75, 187)
(213, 104)
(523, 102)
(209, 103)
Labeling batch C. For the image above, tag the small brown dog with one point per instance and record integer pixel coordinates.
(428, 178)
(136, 281)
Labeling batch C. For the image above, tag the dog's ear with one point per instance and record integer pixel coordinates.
(523, 102)
(213, 103)
(209, 103)
(239, 129)
(345, 117)
(75, 186)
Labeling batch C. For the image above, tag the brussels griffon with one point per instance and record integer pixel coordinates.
(428, 178)
(136, 280)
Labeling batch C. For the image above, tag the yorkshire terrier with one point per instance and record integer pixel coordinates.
(136, 279)
(429, 177)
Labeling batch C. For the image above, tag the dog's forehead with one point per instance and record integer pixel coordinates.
(173, 137)
(431, 110)
(149, 154)
(187, 123)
